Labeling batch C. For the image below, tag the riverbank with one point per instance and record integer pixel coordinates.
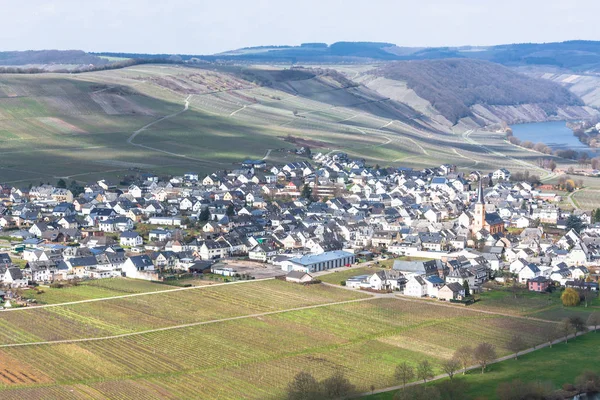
(553, 137)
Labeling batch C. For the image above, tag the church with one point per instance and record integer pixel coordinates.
(491, 222)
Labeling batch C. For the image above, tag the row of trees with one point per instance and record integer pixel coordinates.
(582, 158)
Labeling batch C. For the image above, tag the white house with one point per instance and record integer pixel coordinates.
(130, 239)
(501, 174)
(530, 271)
(415, 287)
(139, 267)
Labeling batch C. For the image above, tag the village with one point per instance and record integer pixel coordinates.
(443, 234)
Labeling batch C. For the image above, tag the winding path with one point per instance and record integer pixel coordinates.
(142, 129)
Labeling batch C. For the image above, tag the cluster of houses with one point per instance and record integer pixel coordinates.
(304, 217)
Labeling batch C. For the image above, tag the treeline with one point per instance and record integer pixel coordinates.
(582, 158)
(90, 68)
(454, 85)
(50, 57)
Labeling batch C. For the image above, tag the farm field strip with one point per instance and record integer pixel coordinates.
(124, 296)
(170, 309)
(192, 324)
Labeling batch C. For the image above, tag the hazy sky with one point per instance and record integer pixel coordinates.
(205, 27)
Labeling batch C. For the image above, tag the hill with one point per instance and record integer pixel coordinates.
(29, 57)
(577, 54)
(455, 86)
(171, 119)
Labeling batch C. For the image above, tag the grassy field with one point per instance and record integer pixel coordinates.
(94, 289)
(338, 276)
(77, 126)
(540, 305)
(248, 356)
(559, 365)
(588, 199)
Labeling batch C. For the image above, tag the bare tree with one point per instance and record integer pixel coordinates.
(577, 324)
(303, 387)
(565, 329)
(483, 354)
(337, 386)
(516, 344)
(450, 367)
(404, 373)
(425, 370)
(464, 355)
(594, 320)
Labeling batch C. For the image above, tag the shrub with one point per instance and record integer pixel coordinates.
(570, 298)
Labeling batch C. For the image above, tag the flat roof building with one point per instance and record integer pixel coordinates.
(319, 262)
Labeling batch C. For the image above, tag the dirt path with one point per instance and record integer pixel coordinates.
(168, 328)
(268, 154)
(142, 129)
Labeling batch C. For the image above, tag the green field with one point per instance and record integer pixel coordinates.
(559, 365)
(339, 276)
(237, 340)
(539, 305)
(93, 289)
(78, 126)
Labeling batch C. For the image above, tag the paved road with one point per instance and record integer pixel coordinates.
(570, 198)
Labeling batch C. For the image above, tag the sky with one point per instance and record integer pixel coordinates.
(207, 27)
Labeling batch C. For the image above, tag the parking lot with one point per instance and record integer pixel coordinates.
(256, 269)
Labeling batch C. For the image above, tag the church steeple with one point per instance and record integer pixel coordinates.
(480, 192)
(479, 212)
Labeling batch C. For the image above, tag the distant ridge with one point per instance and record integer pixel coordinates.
(50, 57)
(574, 54)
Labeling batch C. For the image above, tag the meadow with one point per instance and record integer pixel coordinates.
(547, 306)
(237, 340)
(558, 365)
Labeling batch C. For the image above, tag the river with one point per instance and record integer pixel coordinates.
(555, 134)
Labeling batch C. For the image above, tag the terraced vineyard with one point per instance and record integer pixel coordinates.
(241, 340)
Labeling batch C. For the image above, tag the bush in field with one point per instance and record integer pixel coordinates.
(570, 298)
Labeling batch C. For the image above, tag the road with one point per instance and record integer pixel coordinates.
(570, 198)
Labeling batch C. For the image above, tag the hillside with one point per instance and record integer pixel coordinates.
(456, 87)
(171, 119)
